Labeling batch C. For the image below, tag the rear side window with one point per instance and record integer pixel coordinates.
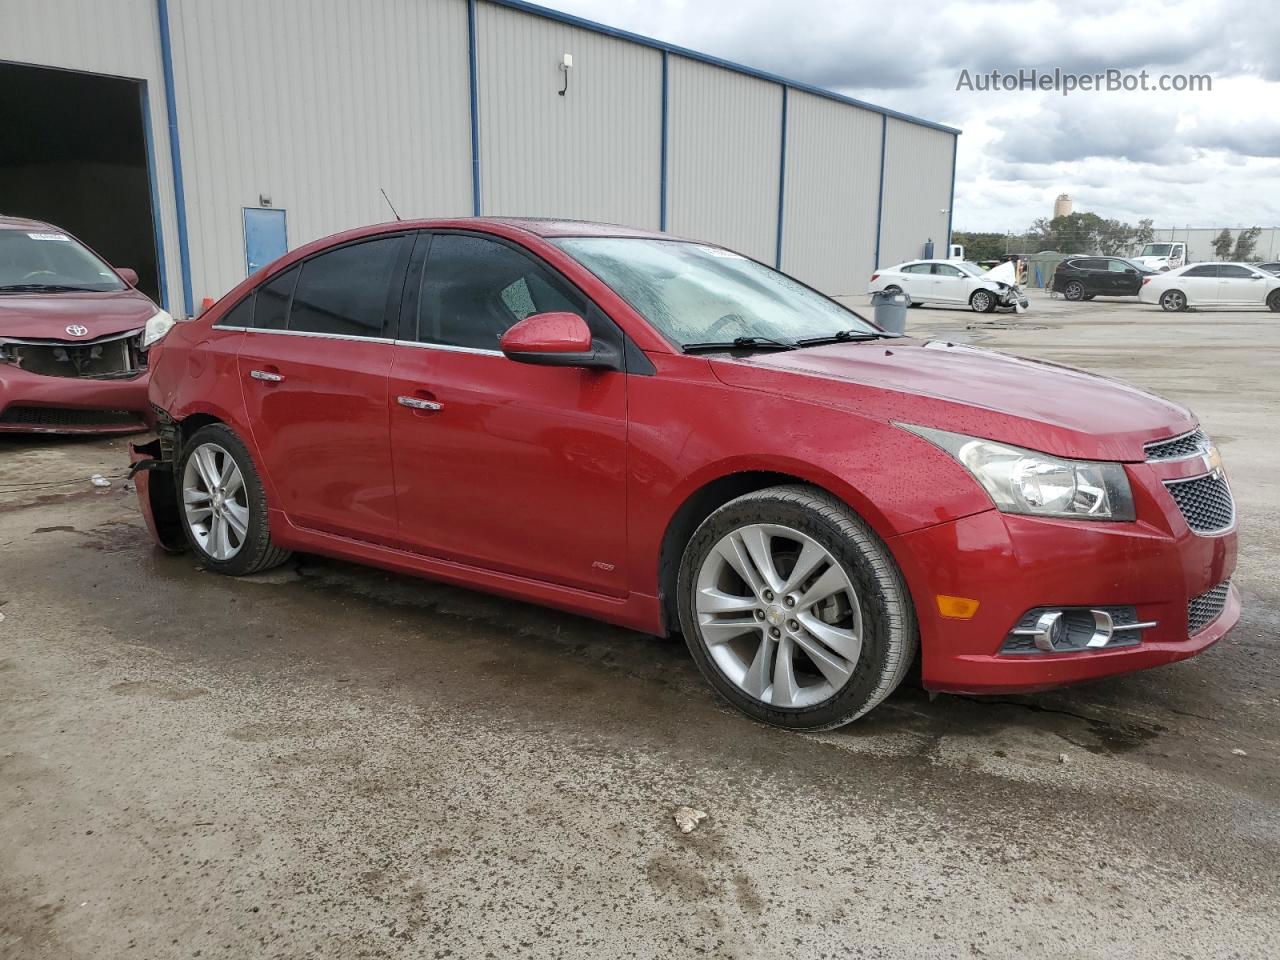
(474, 290)
(345, 291)
(1203, 270)
(272, 309)
(918, 268)
(1231, 270)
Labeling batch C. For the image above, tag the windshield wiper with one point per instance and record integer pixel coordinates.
(43, 288)
(847, 336)
(739, 343)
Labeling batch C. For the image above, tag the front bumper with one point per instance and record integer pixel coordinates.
(36, 403)
(1011, 564)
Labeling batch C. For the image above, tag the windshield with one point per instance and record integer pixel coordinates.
(1156, 250)
(694, 293)
(50, 261)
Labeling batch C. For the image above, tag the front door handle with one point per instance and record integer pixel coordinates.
(417, 403)
(267, 375)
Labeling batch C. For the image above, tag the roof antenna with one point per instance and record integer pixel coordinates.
(390, 204)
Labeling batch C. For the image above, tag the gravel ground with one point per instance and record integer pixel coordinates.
(330, 761)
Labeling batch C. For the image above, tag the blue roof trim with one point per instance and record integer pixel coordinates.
(884, 139)
(951, 207)
(592, 25)
(474, 81)
(782, 183)
(666, 122)
(175, 154)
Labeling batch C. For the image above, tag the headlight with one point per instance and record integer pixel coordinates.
(160, 324)
(1025, 481)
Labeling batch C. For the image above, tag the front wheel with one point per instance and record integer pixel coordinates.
(224, 508)
(1273, 301)
(982, 301)
(794, 610)
(1173, 300)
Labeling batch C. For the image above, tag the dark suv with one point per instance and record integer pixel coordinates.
(1083, 278)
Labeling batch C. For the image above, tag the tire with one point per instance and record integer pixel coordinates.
(732, 642)
(210, 452)
(982, 301)
(893, 288)
(1074, 290)
(1273, 301)
(1175, 301)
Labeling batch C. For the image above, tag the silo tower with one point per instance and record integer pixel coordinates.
(1062, 206)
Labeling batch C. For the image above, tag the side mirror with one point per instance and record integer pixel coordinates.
(558, 340)
(128, 276)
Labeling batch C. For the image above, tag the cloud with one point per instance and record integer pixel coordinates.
(1202, 158)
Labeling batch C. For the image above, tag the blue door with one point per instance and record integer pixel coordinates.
(264, 237)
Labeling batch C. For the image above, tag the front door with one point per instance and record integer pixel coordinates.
(314, 370)
(501, 465)
(950, 284)
(1240, 285)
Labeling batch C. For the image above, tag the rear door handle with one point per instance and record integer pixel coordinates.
(267, 375)
(417, 403)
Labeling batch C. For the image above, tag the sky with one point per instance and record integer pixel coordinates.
(1205, 158)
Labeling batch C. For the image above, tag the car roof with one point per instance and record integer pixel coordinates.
(22, 223)
(549, 227)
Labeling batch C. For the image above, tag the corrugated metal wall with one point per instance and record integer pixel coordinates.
(592, 154)
(1199, 241)
(833, 184)
(723, 157)
(917, 191)
(318, 106)
(116, 37)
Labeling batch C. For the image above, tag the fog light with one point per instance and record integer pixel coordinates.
(1050, 631)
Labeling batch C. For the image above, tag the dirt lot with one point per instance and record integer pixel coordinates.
(329, 761)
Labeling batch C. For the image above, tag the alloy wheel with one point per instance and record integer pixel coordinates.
(1074, 291)
(981, 301)
(779, 615)
(1174, 300)
(215, 501)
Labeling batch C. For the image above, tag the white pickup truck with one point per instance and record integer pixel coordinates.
(1162, 256)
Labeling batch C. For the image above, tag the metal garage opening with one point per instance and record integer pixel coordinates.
(74, 153)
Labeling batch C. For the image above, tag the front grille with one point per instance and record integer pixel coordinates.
(1205, 502)
(1178, 448)
(114, 359)
(68, 417)
(1206, 608)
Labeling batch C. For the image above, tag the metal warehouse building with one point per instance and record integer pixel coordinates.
(193, 140)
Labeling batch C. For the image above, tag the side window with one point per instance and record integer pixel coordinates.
(1231, 270)
(1117, 266)
(918, 268)
(272, 309)
(345, 291)
(946, 270)
(241, 315)
(474, 290)
(1203, 270)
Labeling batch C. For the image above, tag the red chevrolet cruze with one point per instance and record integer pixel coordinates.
(74, 336)
(669, 436)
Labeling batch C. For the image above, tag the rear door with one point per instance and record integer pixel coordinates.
(1240, 285)
(314, 371)
(506, 466)
(917, 280)
(1200, 283)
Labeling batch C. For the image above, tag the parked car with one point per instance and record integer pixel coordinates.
(1213, 285)
(1162, 256)
(669, 436)
(1271, 266)
(74, 335)
(948, 282)
(1083, 278)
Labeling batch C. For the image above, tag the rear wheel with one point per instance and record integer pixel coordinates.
(982, 301)
(893, 288)
(224, 508)
(794, 610)
(1074, 290)
(1173, 300)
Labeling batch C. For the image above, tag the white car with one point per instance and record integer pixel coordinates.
(1212, 285)
(950, 282)
(1162, 256)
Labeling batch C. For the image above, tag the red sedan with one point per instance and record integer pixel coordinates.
(74, 336)
(670, 436)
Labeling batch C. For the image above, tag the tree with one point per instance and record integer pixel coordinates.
(1222, 245)
(1114, 237)
(981, 246)
(1245, 243)
(1144, 234)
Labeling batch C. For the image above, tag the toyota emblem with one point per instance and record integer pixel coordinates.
(76, 330)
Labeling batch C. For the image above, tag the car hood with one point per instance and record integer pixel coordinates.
(46, 316)
(970, 390)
